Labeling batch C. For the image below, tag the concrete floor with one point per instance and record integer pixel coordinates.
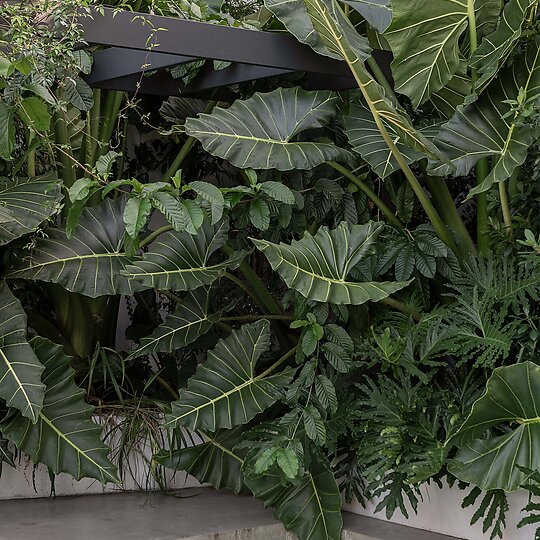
(195, 514)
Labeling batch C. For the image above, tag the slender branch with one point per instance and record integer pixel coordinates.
(171, 296)
(153, 235)
(379, 76)
(390, 216)
(174, 394)
(274, 366)
(400, 306)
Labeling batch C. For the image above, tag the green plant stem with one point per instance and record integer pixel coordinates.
(31, 158)
(113, 102)
(171, 391)
(259, 317)
(245, 288)
(64, 157)
(185, 149)
(379, 76)
(153, 235)
(282, 360)
(447, 209)
(505, 205)
(400, 306)
(94, 119)
(390, 216)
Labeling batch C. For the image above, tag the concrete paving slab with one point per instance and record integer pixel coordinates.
(194, 514)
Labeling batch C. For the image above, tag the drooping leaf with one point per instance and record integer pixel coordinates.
(495, 47)
(172, 209)
(225, 390)
(20, 369)
(212, 195)
(481, 129)
(318, 266)
(310, 508)
(214, 461)
(190, 320)
(259, 131)
(35, 113)
(424, 38)
(181, 261)
(30, 201)
(378, 13)
(511, 396)
(64, 438)
(449, 98)
(90, 262)
(278, 192)
(136, 214)
(7, 131)
(259, 214)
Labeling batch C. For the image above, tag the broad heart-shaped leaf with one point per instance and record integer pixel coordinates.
(424, 37)
(366, 139)
(181, 261)
(64, 437)
(190, 320)
(318, 266)
(479, 129)
(20, 369)
(214, 461)
(225, 390)
(311, 508)
(90, 262)
(512, 396)
(496, 47)
(259, 131)
(378, 13)
(30, 201)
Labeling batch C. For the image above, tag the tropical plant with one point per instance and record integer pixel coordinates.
(325, 293)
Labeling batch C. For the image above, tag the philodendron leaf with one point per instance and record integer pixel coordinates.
(181, 261)
(485, 128)
(495, 48)
(64, 438)
(425, 37)
(512, 396)
(190, 320)
(225, 390)
(214, 461)
(318, 266)
(90, 262)
(310, 508)
(30, 202)
(20, 369)
(259, 132)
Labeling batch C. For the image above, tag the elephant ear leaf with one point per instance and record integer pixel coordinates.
(490, 127)
(318, 266)
(260, 131)
(225, 390)
(214, 461)
(64, 438)
(26, 203)
(310, 508)
(90, 262)
(181, 261)
(378, 13)
(512, 396)
(20, 368)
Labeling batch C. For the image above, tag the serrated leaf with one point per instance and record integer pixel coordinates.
(259, 214)
(195, 216)
(64, 438)
(181, 261)
(79, 94)
(136, 214)
(105, 163)
(30, 201)
(336, 355)
(190, 320)
(90, 262)
(278, 191)
(214, 461)
(326, 393)
(318, 266)
(511, 396)
(213, 195)
(225, 390)
(314, 425)
(171, 208)
(20, 369)
(288, 462)
(259, 131)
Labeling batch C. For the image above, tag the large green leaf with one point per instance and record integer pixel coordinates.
(225, 390)
(7, 131)
(496, 47)
(512, 397)
(480, 130)
(181, 261)
(64, 437)
(378, 13)
(90, 262)
(318, 266)
(20, 369)
(424, 37)
(259, 132)
(28, 202)
(213, 461)
(366, 139)
(310, 508)
(190, 320)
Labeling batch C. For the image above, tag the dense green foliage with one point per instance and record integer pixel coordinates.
(300, 294)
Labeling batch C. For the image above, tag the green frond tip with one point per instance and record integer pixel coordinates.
(318, 266)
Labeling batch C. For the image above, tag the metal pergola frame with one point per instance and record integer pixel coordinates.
(139, 48)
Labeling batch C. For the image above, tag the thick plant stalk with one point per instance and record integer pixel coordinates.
(113, 102)
(390, 216)
(505, 205)
(65, 158)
